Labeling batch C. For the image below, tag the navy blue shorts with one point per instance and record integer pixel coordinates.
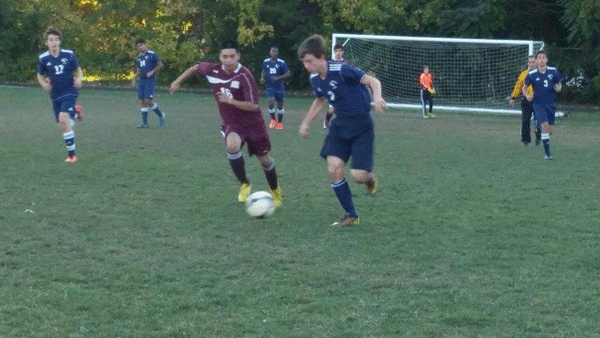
(360, 147)
(544, 113)
(146, 88)
(279, 95)
(64, 104)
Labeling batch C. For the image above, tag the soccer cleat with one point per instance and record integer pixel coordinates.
(161, 119)
(272, 124)
(372, 185)
(430, 115)
(277, 197)
(279, 126)
(346, 221)
(425, 116)
(142, 126)
(548, 157)
(79, 112)
(525, 144)
(245, 189)
(72, 159)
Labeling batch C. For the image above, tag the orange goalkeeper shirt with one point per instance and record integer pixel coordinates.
(426, 81)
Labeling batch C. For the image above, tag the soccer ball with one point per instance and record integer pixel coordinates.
(260, 204)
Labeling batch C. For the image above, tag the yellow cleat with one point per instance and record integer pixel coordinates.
(430, 115)
(245, 189)
(372, 185)
(277, 197)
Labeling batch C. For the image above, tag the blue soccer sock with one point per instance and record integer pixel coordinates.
(546, 143)
(70, 142)
(156, 109)
(344, 195)
(145, 115)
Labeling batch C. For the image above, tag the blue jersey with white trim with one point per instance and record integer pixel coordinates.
(60, 71)
(146, 62)
(343, 89)
(543, 84)
(275, 68)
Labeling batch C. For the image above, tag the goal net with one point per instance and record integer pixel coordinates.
(469, 74)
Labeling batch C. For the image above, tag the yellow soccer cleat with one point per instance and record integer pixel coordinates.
(346, 221)
(245, 189)
(372, 185)
(276, 193)
(430, 115)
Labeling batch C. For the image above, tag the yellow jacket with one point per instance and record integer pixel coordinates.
(519, 86)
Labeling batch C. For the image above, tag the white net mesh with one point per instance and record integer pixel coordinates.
(469, 74)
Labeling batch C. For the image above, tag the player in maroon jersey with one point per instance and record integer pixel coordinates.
(237, 98)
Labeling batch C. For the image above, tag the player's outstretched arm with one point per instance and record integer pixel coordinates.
(375, 85)
(177, 83)
(313, 111)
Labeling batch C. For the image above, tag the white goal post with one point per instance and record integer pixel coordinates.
(470, 75)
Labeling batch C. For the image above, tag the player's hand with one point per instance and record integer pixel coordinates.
(262, 81)
(150, 73)
(529, 97)
(380, 105)
(223, 98)
(512, 102)
(432, 91)
(303, 130)
(133, 81)
(77, 83)
(174, 87)
(47, 86)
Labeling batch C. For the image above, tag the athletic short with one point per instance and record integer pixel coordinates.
(146, 88)
(279, 95)
(544, 113)
(64, 104)
(256, 136)
(359, 146)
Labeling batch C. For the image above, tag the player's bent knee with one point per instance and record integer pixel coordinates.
(360, 176)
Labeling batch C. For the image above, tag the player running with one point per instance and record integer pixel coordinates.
(274, 72)
(351, 133)
(147, 64)
(59, 65)
(237, 98)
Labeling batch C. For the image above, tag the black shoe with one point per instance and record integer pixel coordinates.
(538, 141)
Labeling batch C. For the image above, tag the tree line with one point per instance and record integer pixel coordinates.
(103, 32)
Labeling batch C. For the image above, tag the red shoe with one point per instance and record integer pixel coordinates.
(279, 126)
(79, 112)
(273, 124)
(72, 159)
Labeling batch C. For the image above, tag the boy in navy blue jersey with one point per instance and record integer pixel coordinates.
(147, 64)
(59, 65)
(274, 73)
(351, 133)
(546, 82)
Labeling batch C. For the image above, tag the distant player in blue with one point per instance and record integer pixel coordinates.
(546, 82)
(59, 65)
(338, 52)
(146, 66)
(274, 73)
(351, 133)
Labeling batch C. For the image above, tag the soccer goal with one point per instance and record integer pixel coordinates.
(475, 75)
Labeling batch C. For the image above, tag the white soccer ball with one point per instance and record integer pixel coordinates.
(260, 204)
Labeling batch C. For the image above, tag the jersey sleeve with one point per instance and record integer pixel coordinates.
(313, 83)
(284, 67)
(527, 80)
(351, 74)
(249, 88)
(203, 68)
(73, 61)
(558, 78)
(41, 69)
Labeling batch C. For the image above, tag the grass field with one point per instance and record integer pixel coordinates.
(471, 234)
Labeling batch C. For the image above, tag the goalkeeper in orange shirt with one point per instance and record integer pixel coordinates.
(526, 106)
(427, 92)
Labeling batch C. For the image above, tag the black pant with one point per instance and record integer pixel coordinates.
(526, 113)
(426, 97)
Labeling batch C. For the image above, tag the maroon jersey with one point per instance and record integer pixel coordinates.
(239, 85)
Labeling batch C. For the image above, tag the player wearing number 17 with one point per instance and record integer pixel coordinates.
(546, 82)
(242, 122)
(351, 133)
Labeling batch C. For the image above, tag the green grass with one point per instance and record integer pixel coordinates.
(470, 236)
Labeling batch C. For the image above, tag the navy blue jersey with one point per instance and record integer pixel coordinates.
(146, 62)
(274, 68)
(543, 84)
(60, 71)
(343, 89)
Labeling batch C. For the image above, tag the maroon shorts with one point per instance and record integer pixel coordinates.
(255, 135)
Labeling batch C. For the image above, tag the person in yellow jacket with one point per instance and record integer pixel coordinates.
(526, 106)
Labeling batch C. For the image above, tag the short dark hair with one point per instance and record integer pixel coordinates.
(52, 31)
(230, 44)
(140, 40)
(541, 52)
(338, 46)
(314, 44)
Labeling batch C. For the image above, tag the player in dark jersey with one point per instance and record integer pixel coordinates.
(242, 122)
(59, 65)
(274, 72)
(546, 82)
(146, 66)
(351, 133)
(338, 52)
